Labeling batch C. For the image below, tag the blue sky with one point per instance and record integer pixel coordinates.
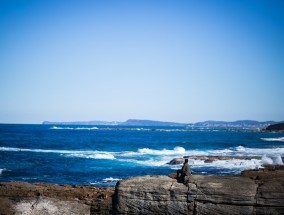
(183, 61)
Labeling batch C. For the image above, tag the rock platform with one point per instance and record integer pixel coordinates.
(253, 192)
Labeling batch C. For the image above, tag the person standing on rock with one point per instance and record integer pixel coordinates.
(184, 171)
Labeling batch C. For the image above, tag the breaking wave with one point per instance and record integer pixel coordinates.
(111, 179)
(176, 150)
(77, 128)
(102, 155)
(280, 139)
(69, 153)
(155, 157)
(106, 181)
(240, 150)
(1, 171)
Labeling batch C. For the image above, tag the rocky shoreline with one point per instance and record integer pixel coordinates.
(212, 158)
(44, 199)
(253, 192)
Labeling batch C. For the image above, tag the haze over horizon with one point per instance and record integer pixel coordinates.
(176, 61)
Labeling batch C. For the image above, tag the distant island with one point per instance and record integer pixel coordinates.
(239, 124)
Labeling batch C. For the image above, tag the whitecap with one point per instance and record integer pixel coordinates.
(85, 128)
(61, 128)
(227, 166)
(240, 150)
(277, 160)
(106, 156)
(106, 181)
(266, 160)
(176, 150)
(42, 150)
(149, 162)
(70, 153)
(220, 152)
(281, 139)
(234, 164)
(76, 128)
(1, 171)
(111, 179)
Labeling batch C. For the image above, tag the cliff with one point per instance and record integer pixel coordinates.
(254, 192)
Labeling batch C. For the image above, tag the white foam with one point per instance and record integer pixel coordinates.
(42, 150)
(235, 164)
(220, 152)
(176, 151)
(111, 179)
(272, 160)
(162, 157)
(1, 171)
(61, 128)
(266, 160)
(281, 139)
(70, 153)
(259, 151)
(85, 128)
(241, 149)
(277, 160)
(108, 181)
(149, 162)
(107, 156)
(76, 128)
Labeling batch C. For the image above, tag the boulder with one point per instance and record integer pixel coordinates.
(150, 195)
(176, 161)
(253, 192)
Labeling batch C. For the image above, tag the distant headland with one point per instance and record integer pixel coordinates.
(239, 124)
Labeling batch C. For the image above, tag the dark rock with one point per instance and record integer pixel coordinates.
(275, 127)
(210, 159)
(176, 161)
(173, 175)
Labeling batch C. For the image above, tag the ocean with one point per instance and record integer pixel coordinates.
(102, 155)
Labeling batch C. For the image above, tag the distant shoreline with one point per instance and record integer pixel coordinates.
(138, 122)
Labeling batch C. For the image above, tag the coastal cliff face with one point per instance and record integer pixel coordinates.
(255, 192)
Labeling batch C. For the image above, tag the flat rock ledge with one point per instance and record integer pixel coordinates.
(20, 198)
(254, 192)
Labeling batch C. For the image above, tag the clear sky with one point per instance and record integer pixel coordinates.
(168, 60)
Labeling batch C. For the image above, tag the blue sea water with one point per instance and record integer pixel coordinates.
(103, 155)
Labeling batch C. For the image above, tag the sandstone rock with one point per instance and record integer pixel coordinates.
(254, 192)
(225, 190)
(151, 195)
(222, 209)
(21, 197)
(46, 206)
